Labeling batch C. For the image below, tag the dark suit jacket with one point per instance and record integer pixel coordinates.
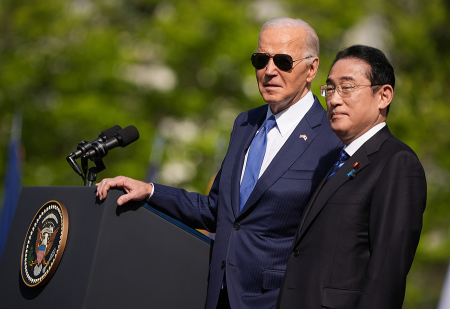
(252, 246)
(357, 239)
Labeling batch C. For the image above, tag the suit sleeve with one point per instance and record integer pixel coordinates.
(195, 210)
(395, 224)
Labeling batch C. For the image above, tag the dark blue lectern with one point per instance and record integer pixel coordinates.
(115, 257)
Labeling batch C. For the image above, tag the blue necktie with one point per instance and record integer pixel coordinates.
(343, 156)
(254, 160)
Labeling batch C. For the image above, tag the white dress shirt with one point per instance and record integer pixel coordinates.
(287, 121)
(357, 143)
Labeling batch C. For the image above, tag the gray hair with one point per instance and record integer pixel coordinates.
(311, 40)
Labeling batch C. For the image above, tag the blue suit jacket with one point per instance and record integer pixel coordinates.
(252, 246)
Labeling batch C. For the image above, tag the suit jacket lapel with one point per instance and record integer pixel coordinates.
(288, 154)
(328, 187)
(255, 119)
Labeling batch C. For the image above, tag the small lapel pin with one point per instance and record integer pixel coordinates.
(356, 165)
(303, 136)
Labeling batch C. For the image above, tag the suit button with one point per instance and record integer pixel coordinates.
(296, 253)
(237, 227)
(223, 265)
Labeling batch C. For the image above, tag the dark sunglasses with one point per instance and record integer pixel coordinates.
(282, 61)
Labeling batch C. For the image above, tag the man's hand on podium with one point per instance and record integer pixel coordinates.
(136, 190)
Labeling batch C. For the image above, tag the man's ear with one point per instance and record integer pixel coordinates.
(386, 94)
(313, 69)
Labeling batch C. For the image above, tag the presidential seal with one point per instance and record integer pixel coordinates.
(44, 244)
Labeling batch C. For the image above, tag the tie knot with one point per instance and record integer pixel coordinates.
(343, 156)
(270, 123)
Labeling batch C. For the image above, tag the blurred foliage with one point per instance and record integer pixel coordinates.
(180, 70)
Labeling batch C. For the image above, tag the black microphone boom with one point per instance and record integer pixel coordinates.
(122, 138)
(85, 146)
(98, 148)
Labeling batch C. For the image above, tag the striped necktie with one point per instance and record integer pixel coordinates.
(343, 156)
(254, 160)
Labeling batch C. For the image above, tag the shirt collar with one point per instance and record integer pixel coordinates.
(292, 115)
(357, 143)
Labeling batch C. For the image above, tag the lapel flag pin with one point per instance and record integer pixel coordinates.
(303, 136)
(356, 165)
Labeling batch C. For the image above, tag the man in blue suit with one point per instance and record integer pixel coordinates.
(277, 155)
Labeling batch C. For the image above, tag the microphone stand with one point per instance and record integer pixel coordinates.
(88, 179)
(92, 176)
(84, 166)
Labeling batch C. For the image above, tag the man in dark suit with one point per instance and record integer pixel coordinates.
(358, 235)
(277, 155)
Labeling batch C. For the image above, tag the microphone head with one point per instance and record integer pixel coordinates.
(109, 133)
(128, 135)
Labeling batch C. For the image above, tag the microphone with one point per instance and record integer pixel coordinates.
(121, 138)
(84, 146)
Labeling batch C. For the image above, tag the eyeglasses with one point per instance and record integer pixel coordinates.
(345, 89)
(282, 61)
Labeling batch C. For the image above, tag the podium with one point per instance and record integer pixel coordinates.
(128, 256)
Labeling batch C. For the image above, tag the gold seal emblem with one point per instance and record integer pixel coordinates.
(44, 244)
